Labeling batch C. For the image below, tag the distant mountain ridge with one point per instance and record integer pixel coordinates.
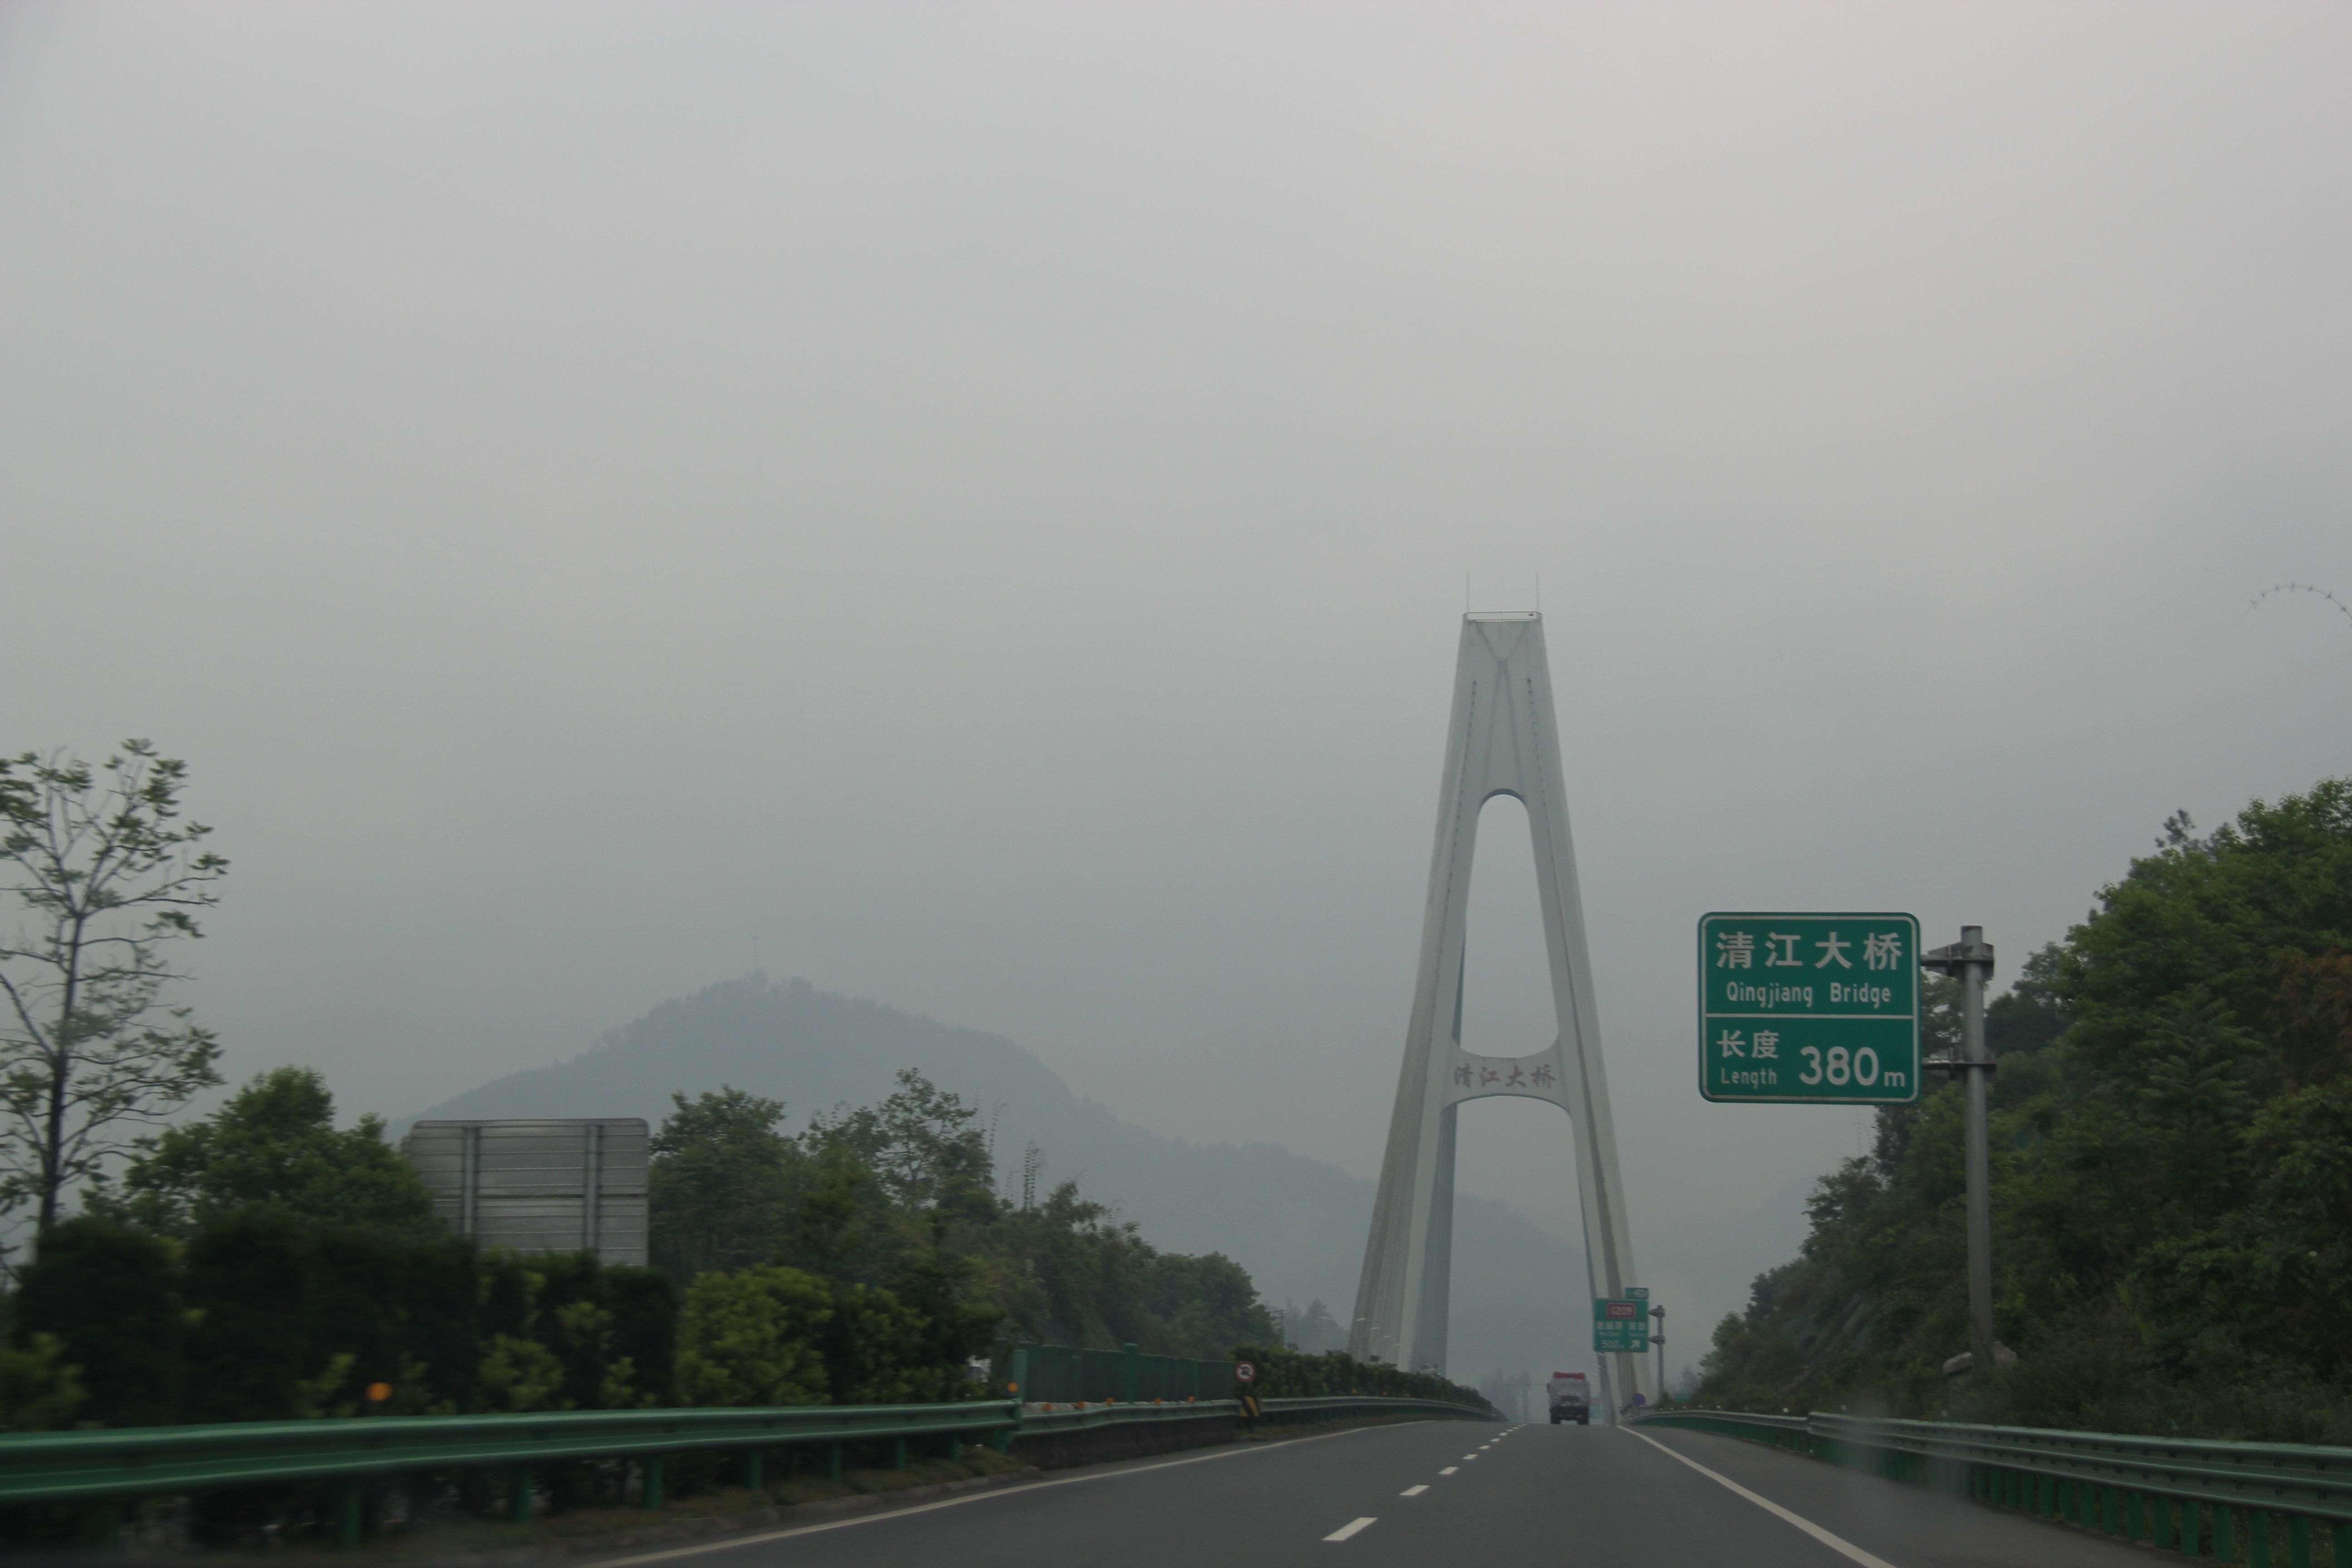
(1296, 1225)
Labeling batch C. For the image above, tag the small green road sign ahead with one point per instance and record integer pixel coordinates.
(1809, 1009)
(1620, 1327)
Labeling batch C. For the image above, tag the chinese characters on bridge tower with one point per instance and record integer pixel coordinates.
(1487, 1077)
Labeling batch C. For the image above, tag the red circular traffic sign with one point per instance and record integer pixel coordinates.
(1244, 1372)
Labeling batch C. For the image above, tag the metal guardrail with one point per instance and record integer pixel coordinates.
(1789, 1432)
(1306, 1412)
(135, 1461)
(1301, 1412)
(1086, 1417)
(2180, 1494)
(115, 1464)
(132, 1460)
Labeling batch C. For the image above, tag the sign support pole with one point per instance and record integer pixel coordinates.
(1972, 960)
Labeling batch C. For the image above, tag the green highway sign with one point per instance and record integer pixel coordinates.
(1809, 1009)
(1620, 1327)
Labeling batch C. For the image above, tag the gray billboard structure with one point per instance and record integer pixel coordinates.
(1502, 740)
(538, 1185)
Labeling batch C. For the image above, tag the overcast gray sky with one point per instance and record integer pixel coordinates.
(981, 497)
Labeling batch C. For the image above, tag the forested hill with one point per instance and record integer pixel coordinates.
(1296, 1225)
(809, 1048)
(2172, 1172)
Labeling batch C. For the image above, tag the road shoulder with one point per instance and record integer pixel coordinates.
(1907, 1526)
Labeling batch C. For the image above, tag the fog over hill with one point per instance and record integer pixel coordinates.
(1296, 1225)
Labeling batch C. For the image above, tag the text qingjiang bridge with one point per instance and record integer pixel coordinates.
(1809, 1009)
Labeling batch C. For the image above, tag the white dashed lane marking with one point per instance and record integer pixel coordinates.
(1412, 1491)
(1449, 1470)
(1346, 1530)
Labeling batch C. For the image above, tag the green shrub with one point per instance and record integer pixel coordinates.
(751, 1339)
(107, 1293)
(39, 1390)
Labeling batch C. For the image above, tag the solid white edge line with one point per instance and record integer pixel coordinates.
(1349, 1528)
(1835, 1544)
(1023, 1490)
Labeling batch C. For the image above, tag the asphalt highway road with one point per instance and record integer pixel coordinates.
(1432, 1494)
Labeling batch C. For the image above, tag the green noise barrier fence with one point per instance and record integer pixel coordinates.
(112, 1467)
(2198, 1499)
(1064, 1374)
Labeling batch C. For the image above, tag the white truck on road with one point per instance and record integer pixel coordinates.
(1571, 1397)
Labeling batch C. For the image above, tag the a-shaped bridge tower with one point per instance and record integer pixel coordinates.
(1502, 741)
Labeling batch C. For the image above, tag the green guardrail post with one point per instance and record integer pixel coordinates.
(754, 1467)
(2225, 1533)
(898, 1453)
(2298, 1541)
(2258, 1538)
(833, 1461)
(650, 1494)
(106, 1536)
(2159, 1522)
(955, 1447)
(350, 1513)
(2191, 1527)
(1002, 1441)
(519, 1495)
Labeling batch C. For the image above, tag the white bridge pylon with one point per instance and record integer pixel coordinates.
(1503, 739)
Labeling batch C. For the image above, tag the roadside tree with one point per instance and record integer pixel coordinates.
(105, 873)
(274, 1142)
